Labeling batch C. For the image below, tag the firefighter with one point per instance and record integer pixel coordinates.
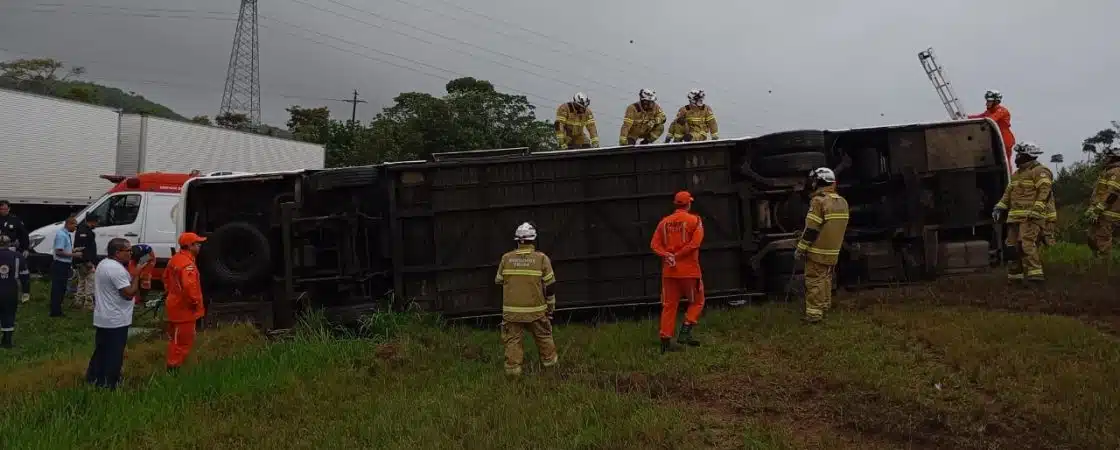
(184, 299)
(528, 300)
(571, 119)
(995, 110)
(1104, 205)
(676, 131)
(643, 122)
(700, 121)
(820, 242)
(1027, 205)
(677, 241)
(15, 281)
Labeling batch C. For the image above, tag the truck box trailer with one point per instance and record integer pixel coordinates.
(429, 234)
(154, 144)
(53, 151)
(56, 149)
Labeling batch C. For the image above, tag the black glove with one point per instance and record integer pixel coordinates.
(643, 142)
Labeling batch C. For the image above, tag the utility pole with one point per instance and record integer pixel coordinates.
(353, 115)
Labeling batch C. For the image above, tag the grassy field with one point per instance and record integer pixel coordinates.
(961, 363)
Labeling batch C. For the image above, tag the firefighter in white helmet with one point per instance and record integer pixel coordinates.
(699, 120)
(528, 300)
(571, 119)
(643, 122)
(1028, 206)
(821, 240)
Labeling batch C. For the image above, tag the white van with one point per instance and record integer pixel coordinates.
(140, 208)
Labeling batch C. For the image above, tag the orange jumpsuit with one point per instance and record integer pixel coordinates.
(184, 305)
(1002, 117)
(145, 280)
(679, 234)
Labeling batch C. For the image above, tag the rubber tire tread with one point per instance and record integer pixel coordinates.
(799, 163)
(237, 233)
(343, 177)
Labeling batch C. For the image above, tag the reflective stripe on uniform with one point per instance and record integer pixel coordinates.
(525, 272)
(541, 308)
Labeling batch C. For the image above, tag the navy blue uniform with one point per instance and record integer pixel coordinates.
(13, 227)
(14, 279)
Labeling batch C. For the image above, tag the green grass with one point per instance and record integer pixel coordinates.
(948, 365)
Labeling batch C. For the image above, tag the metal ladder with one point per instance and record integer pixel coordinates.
(944, 89)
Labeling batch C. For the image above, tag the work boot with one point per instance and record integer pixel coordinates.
(811, 320)
(667, 345)
(6, 340)
(685, 338)
(1036, 283)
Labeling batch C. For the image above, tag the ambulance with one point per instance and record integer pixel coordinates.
(139, 208)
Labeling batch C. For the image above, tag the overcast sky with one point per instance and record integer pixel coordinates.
(766, 66)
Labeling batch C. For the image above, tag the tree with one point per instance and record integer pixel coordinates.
(38, 74)
(236, 121)
(309, 124)
(1106, 138)
(83, 93)
(202, 120)
(472, 116)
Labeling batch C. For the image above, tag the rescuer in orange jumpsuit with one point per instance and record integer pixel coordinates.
(184, 299)
(1002, 117)
(677, 241)
(141, 252)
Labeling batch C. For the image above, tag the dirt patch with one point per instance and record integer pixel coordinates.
(1090, 297)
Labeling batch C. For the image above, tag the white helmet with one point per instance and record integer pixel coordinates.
(1027, 148)
(525, 232)
(581, 100)
(993, 95)
(647, 94)
(823, 174)
(696, 97)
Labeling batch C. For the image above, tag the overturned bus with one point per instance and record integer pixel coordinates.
(428, 234)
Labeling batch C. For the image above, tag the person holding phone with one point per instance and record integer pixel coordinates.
(64, 254)
(114, 286)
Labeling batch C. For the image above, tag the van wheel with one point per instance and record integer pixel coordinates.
(799, 163)
(237, 253)
(344, 177)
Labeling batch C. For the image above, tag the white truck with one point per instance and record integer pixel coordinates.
(55, 150)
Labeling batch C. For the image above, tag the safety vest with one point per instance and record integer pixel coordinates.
(640, 123)
(570, 125)
(699, 121)
(1029, 195)
(523, 274)
(828, 215)
(1108, 183)
(14, 276)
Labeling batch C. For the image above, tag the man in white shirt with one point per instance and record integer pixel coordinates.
(114, 287)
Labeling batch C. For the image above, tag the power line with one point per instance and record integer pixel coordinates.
(362, 55)
(375, 50)
(8, 9)
(549, 37)
(162, 83)
(454, 39)
(127, 12)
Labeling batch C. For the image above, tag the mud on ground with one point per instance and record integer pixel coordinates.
(955, 387)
